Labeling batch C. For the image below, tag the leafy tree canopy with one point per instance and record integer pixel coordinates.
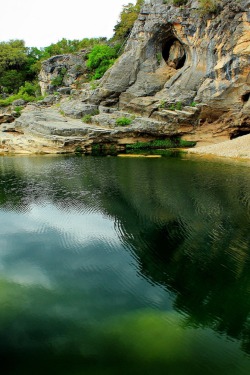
(127, 18)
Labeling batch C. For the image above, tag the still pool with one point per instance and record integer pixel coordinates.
(124, 266)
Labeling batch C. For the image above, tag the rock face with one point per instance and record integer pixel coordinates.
(42, 129)
(61, 72)
(185, 54)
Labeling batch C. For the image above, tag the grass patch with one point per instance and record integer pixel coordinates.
(161, 144)
(18, 109)
(87, 119)
(123, 121)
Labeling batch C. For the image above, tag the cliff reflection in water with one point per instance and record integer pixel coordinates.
(185, 222)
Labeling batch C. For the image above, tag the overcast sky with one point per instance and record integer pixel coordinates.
(40, 23)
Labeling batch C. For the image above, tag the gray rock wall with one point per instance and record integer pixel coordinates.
(68, 67)
(215, 66)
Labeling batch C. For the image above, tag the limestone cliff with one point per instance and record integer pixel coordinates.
(183, 54)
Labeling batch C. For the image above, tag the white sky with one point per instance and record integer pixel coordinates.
(40, 23)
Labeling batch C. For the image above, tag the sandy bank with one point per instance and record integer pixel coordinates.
(235, 148)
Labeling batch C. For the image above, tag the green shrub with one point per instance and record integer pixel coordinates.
(183, 143)
(58, 80)
(8, 101)
(158, 57)
(123, 121)
(100, 59)
(209, 6)
(62, 112)
(161, 144)
(18, 110)
(177, 106)
(87, 119)
(162, 104)
(128, 16)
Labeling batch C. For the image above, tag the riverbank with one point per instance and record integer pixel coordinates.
(235, 148)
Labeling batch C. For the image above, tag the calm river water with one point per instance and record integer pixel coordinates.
(115, 265)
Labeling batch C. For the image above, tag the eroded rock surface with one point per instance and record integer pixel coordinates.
(181, 54)
(61, 71)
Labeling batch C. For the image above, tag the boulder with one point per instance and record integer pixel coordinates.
(18, 103)
(61, 71)
(78, 109)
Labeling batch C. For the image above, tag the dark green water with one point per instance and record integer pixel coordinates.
(124, 266)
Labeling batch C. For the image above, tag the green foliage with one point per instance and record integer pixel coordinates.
(65, 46)
(127, 18)
(158, 143)
(100, 59)
(20, 64)
(123, 121)
(177, 106)
(31, 89)
(18, 110)
(11, 80)
(209, 6)
(172, 107)
(87, 119)
(29, 92)
(58, 80)
(162, 104)
(159, 57)
(12, 54)
(183, 143)
(13, 60)
(161, 144)
(62, 112)
(193, 104)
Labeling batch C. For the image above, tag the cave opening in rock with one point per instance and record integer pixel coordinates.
(239, 133)
(174, 53)
(245, 97)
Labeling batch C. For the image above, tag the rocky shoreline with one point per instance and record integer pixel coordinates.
(182, 75)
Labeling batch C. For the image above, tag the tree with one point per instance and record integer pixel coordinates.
(13, 59)
(12, 54)
(127, 18)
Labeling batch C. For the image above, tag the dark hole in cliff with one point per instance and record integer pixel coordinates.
(173, 53)
(245, 97)
(239, 133)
